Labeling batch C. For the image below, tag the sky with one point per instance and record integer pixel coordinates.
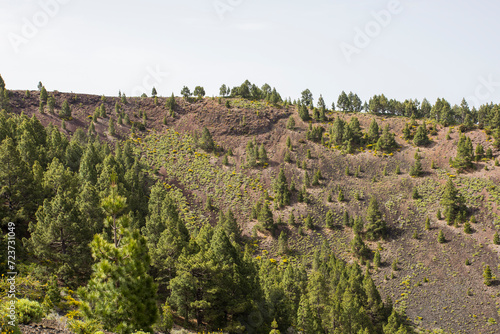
(401, 48)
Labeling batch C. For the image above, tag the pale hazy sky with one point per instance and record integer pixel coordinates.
(410, 49)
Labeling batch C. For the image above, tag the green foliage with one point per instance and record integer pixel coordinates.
(407, 132)
(185, 92)
(206, 141)
(290, 124)
(199, 92)
(467, 228)
(111, 127)
(281, 190)
(28, 311)
(340, 196)
(84, 327)
(376, 226)
(287, 157)
(166, 318)
(441, 239)
(262, 155)
(43, 95)
(496, 239)
(265, 216)
(66, 110)
(386, 142)
(427, 224)
(421, 138)
(465, 153)
(170, 104)
(373, 132)
(453, 202)
(416, 169)
(376, 259)
(359, 248)
(487, 275)
(283, 243)
(303, 112)
(316, 178)
(308, 223)
(479, 152)
(329, 220)
(120, 275)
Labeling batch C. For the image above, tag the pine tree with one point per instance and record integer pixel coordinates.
(265, 216)
(206, 141)
(441, 239)
(479, 152)
(307, 180)
(407, 132)
(316, 178)
(59, 234)
(340, 196)
(465, 153)
(290, 125)
(415, 194)
(329, 220)
(451, 200)
(170, 104)
(358, 247)
(51, 103)
(111, 127)
(199, 92)
(376, 226)
(421, 138)
(120, 275)
(303, 112)
(467, 228)
(358, 225)
(376, 259)
(283, 243)
(496, 239)
(427, 224)
(308, 223)
(251, 156)
(416, 169)
(43, 95)
(185, 92)
(287, 157)
(487, 275)
(373, 132)
(16, 180)
(281, 190)
(386, 142)
(355, 129)
(263, 155)
(154, 92)
(231, 226)
(66, 110)
(489, 155)
(345, 219)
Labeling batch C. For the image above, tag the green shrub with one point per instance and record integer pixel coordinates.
(84, 327)
(4, 319)
(28, 311)
(166, 319)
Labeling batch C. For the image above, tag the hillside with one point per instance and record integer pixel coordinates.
(428, 280)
